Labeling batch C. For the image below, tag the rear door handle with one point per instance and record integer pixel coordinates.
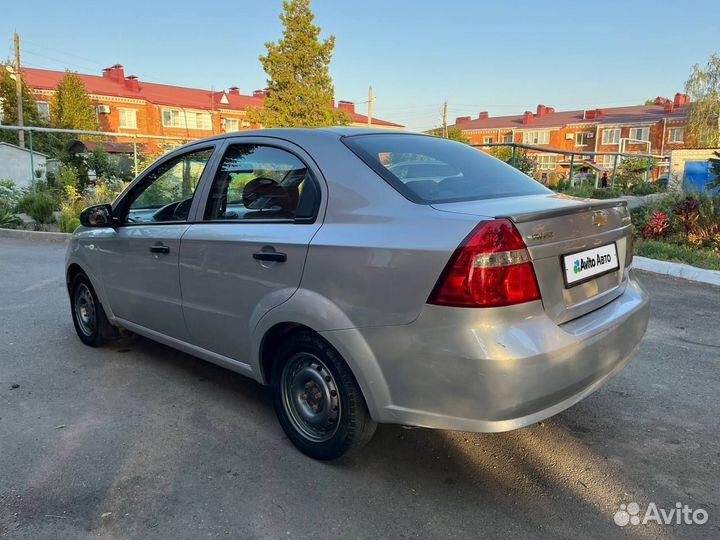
(274, 256)
(159, 248)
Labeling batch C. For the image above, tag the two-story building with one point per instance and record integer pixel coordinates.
(650, 129)
(125, 104)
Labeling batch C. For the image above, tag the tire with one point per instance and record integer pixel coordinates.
(317, 399)
(88, 315)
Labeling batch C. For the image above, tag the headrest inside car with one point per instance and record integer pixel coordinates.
(267, 194)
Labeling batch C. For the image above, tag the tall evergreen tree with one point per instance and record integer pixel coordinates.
(300, 89)
(71, 107)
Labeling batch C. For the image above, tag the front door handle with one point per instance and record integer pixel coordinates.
(274, 256)
(159, 248)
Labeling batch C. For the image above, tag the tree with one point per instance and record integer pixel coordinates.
(454, 134)
(703, 87)
(714, 171)
(71, 107)
(299, 87)
(8, 102)
(523, 161)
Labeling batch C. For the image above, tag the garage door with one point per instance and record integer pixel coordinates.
(697, 175)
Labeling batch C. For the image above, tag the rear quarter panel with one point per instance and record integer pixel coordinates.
(377, 255)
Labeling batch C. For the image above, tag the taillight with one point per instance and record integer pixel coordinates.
(491, 268)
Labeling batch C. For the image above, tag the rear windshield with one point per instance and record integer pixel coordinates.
(433, 170)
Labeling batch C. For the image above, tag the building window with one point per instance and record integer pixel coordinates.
(507, 138)
(676, 135)
(611, 136)
(609, 161)
(128, 118)
(231, 124)
(2, 114)
(581, 138)
(640, 134)
(487, 140)
(178, 118)
(536, 137)
(43, 108)
(546, 162)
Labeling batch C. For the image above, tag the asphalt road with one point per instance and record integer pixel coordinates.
(138, 441)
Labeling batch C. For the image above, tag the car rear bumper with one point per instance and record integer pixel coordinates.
(501, 369)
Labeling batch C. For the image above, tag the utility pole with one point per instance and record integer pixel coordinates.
(18, 91)
(371, 99)
(445, 120)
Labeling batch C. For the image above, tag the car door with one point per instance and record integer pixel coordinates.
(139, 260)
(248, 253)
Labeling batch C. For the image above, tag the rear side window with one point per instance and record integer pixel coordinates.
(256, 182)
(430, 170)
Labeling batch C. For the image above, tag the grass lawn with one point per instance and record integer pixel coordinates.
(665, 251)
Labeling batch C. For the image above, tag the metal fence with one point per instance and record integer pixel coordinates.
(579, 159)
(128, 146)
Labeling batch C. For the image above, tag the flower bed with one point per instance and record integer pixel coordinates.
(680, 228)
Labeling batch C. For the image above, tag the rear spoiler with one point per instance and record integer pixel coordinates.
(567, 210)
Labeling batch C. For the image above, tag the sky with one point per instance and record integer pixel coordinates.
(503, 57)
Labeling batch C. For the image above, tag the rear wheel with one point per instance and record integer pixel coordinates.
(317, 399)
(88, 315)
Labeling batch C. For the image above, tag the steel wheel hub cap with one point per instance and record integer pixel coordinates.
(85, 310)
(310, 397)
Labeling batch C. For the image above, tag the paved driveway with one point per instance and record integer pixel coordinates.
(136, 440)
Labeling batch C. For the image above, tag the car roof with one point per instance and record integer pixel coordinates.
(300, 134)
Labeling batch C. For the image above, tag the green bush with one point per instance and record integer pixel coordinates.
(39, 205)
(9, 194)
(8, 219)
(67, 223)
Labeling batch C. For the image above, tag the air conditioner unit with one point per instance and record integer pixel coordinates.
(103, 109)
(570, 136)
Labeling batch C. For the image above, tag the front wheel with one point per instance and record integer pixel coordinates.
(317, 399)
(88, 315)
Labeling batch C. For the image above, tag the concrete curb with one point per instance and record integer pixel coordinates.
(20, 234)
(679, 270)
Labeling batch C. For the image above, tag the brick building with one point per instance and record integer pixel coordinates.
(653, 129)
(125, 104)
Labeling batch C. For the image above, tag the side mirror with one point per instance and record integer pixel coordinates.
(99, 215)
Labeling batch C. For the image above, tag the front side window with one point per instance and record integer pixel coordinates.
(611, 136)
(430, 170)
(166, 192)
(581, 138)
(128, 118)
(487, 140)
(257, 182)
(508, 138)
(640, 134)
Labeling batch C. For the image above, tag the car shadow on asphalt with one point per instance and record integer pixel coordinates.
(544, 478)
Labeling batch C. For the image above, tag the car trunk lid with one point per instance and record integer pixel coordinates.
(562, 233)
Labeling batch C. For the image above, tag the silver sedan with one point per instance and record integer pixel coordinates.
(476, 300)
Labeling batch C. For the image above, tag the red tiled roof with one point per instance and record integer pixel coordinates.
(162, 94)
(614, 115)
(362, 119)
